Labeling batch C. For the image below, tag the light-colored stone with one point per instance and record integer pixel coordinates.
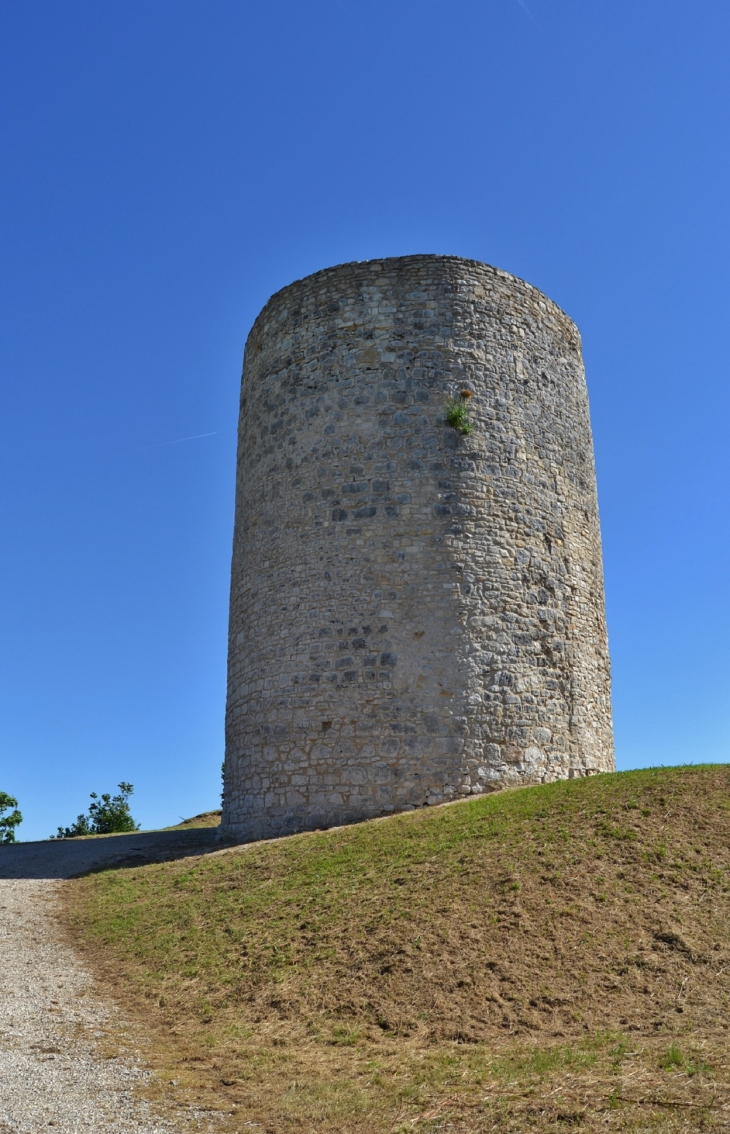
(416, 615)
(69, 1062)
(53, 1075)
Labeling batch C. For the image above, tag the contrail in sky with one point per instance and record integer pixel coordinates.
(524, 8)
(195, 437)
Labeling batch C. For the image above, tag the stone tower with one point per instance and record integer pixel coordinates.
(417, 613)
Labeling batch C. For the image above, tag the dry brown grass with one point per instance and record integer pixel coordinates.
(205, 819)
(549, 959)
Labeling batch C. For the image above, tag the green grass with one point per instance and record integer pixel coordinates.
(308, 882)
(553, 935)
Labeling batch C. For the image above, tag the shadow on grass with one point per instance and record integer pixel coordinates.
(69, 858)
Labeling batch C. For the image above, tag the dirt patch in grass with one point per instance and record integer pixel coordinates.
(549, 958)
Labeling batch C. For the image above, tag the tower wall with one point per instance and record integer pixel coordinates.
(416, 615)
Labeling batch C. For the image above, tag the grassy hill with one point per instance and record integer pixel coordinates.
(552, 958)
(205, 819)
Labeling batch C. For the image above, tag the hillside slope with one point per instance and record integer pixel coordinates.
(558, 950)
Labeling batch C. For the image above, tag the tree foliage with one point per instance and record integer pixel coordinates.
(8, 823)
(108, 815)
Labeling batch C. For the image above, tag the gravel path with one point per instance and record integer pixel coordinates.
(53, 1023)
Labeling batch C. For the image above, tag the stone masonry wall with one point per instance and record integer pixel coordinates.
(416, 615)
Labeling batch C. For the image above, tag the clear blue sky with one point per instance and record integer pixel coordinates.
(167, 166)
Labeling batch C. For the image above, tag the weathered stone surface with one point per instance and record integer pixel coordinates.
(416, 615)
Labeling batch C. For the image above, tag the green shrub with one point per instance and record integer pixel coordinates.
(8, 823)
(457, 413)
(107, 816)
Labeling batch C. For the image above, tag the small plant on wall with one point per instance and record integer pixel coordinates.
(457, 412)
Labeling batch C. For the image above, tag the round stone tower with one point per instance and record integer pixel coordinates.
(417, 609)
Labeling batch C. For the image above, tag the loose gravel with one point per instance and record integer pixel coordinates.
(56, 1029)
